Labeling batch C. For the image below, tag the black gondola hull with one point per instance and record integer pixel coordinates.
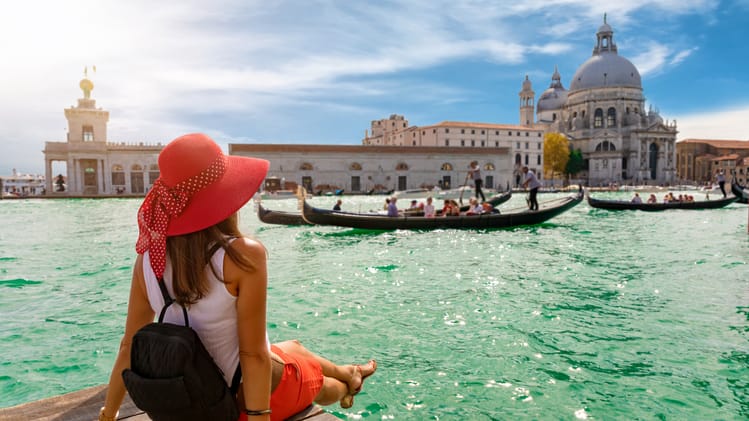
(483, 221)
(655, 207)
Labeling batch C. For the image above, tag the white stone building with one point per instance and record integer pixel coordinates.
(523, 144)
(361, 168)
(96, 166)
(22, 185)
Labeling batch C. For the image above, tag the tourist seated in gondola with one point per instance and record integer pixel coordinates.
(637, 198)
(416, 206)
(429, 208)
(387, 204)
(474, 207)
(681, 198)
(450, 208)
(652, 198)
(392, 207)
(488, 208)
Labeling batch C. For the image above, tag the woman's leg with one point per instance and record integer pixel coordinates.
(339, 380)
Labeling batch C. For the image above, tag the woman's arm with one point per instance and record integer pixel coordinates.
(139, 314)
(254, 355)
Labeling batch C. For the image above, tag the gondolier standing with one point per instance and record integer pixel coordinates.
(531, 182)
(721, 179)
(475, 172)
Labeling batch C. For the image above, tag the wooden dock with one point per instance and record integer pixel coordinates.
(84, 405)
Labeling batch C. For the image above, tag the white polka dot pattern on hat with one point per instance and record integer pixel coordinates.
(164, 203)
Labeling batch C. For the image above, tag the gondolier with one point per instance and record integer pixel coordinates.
(532, 183)
(475, 173)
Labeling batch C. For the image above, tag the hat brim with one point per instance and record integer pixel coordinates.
(221, 199)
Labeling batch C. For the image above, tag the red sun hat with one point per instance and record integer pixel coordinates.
(198, 186)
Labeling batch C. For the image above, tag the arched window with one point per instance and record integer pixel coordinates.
(518, 159)
(489, 167)
(355, 166)
(447, 167)
(605, 146)
(598, 118)
(136, 167)
(402, 166)
(306, 166)
(611, 117)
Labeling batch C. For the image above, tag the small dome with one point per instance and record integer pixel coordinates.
(553, 98)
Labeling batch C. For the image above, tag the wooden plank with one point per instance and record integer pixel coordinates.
(84, 405)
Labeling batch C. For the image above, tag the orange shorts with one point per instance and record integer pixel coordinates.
(301, 381)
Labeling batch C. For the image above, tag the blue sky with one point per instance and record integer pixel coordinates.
(319, 71)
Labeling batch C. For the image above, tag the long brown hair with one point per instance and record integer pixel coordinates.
(189, 254)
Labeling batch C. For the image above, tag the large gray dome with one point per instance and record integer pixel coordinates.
(606, 68)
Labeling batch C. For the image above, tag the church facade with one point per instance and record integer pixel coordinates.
(603, 115)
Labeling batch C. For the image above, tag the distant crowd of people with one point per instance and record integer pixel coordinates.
(668, 198)
(428, 210)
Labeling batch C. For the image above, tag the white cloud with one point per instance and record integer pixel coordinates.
(729, 124)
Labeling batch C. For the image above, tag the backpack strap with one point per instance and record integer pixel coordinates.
(168, 300)
(234, 387)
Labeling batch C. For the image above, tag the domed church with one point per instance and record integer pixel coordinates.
(603, 115)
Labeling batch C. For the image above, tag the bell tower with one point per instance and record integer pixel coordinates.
(86, 123)
(527, 99)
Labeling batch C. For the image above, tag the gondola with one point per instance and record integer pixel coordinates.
(740, 191)
(547, 211)
(279, 217)
(654, 207)
(292, 218)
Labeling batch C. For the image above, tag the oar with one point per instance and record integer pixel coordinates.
(465, 183)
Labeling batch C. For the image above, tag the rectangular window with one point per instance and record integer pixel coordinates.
(509, 133)
(118, 178)
(473, 142)
(402, 185)
(538, 160)
(539, 146)
(527, 134)
(462, 131)
(355, 183)
(496, 132)
(473, 131)
(462, 142)
(88, 133)
(447, 130)
(447, 142)
(526, 145)
(517, 145)
(482, 143)
(489, 181)
(526, 159)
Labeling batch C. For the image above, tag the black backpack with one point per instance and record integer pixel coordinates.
(173, 377)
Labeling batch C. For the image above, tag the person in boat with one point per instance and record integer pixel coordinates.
(393, 207)
(637, 198)
(652, 198)
(387, 204)
(450, 208)
(532, 183)
(429, 208)
(416, 206)
(188, 223)
(474, 207)
(475, 173)
(720, 177)
(488, 208)
(337, 205)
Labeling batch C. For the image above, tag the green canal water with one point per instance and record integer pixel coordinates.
(593, 315)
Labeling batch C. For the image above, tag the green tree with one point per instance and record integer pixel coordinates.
(556, 154)
(575, 163)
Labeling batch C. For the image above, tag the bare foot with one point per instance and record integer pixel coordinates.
(358, 375)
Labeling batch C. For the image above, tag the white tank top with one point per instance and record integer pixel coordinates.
(213, 317)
